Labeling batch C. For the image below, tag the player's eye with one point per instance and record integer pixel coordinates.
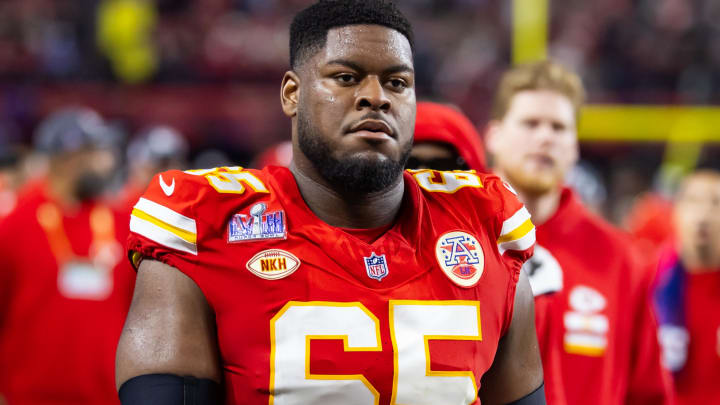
(398, 84)
(345, 78)
(558, 127)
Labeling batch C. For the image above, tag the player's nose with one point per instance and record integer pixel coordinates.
(372, 95)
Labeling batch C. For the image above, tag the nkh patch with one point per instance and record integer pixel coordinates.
(273, 264)
(257, 225)
(460, 257)
(376, 266)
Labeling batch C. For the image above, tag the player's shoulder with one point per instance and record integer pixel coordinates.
(484, 193)
(179, 208)
(480, 198)
(178, 194)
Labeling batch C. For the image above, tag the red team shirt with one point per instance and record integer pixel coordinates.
(596, 331)
(697, 381)
(65, 289)
(308, 313)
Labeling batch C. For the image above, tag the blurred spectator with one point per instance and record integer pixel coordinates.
(64, 286)
(445, 139)
(688, 292)
(596, 330)
(154, 150)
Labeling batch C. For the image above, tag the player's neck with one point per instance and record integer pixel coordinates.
(358, 211)
(541, 206)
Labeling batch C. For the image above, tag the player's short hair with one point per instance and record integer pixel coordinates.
(309, 28)
(545, 75)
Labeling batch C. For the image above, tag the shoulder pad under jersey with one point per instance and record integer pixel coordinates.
(488, 197)
(168, 210)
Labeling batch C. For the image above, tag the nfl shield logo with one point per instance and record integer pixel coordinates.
(376, 266)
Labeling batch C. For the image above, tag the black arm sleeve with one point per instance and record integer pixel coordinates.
(169, 389)
(536, 397)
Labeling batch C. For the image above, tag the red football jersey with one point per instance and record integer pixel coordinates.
(596, 330)
(697, 381)
(308, 313)
(65, 289)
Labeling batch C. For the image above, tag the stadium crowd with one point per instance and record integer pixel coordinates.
(623, 316)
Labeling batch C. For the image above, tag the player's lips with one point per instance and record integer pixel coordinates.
(372, 129)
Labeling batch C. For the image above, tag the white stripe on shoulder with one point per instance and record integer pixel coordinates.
(160, 235)
(514, 221)
(521, 244)
(166, 215)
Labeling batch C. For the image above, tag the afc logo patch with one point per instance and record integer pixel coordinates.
(460, 257)
(376, 266)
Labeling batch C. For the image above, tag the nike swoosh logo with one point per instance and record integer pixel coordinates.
(168, 190)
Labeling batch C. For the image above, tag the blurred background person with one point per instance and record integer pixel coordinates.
(687, 296)
(445, 139)
(154, 150)
(595, 326)
(65, 284)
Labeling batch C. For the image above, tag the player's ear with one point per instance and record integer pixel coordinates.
(289, 93)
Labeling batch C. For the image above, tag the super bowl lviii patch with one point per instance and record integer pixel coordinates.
(257, 224)
(460, 257)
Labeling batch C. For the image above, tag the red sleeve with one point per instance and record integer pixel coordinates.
(516, 232)
(515, 236)
(163, 223)
(650, 383)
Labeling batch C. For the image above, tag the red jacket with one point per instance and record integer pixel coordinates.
(596, 330)
(64, 294)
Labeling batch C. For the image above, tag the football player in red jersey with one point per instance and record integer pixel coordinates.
(65, 287)
(595, 326)
(343, 279)
(688, 292)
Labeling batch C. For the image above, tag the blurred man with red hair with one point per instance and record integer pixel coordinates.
(595, 326)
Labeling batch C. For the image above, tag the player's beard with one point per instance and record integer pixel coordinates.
(355, 174)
